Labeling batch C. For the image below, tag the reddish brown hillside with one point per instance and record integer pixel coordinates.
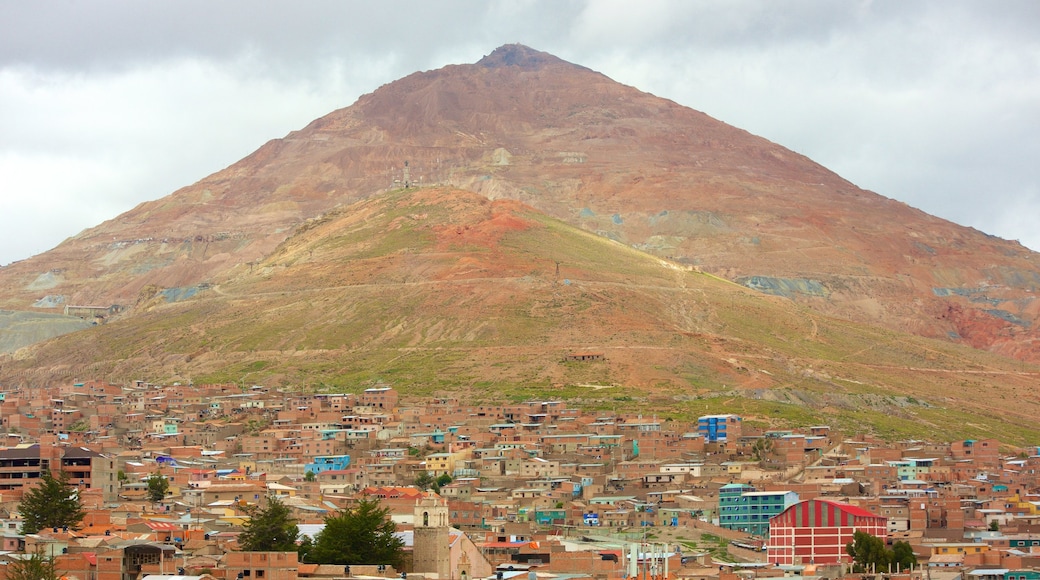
(525, 125)
(442, 290)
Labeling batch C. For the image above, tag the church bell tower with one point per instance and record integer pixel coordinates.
(431, 551)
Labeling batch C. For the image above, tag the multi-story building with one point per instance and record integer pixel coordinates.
(744, 509)
(912, 469)
(817, 531)
(91, 470)
(21, 466)
(328, 463)
(715, 428)
(384, 398)
(984, 452)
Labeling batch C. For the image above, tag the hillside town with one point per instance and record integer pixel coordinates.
(537, 489)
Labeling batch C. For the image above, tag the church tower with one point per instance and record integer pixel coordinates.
(431, 551)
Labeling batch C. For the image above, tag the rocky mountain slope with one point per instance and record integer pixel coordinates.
(437, 290)
(647, 172)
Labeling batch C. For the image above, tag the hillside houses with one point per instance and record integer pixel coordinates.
(525, 479)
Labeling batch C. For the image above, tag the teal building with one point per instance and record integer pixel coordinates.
(744, 509)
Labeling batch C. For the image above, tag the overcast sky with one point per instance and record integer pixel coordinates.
(105, 104)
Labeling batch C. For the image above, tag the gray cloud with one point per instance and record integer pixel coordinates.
(107, 104)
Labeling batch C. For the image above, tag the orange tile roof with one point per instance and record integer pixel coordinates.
(163, 526)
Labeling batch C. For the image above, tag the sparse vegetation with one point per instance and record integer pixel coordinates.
(80, 426)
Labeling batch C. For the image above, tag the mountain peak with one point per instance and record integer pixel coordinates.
(520, 56)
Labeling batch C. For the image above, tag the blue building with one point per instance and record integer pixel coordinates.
(715, 428)
(328, 463)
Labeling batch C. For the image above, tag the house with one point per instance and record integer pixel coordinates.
(261, 565)
(328, 463)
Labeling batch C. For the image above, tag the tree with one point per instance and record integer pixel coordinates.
(762, 448)
(309, 476)
(868, 553)
(994, 526)
(35, 567)
(441, 481)
(304, 549)
(51, 504)
(363, 534)
(424, 480)
(158, 485)
(903, 556)
(271, 529)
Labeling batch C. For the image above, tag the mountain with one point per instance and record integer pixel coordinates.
(438, 290)
(521, 124)
(569, 144)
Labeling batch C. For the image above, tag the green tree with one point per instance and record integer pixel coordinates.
(158, 485)
(51, 504)
(868, 553)
(35, 567)
(442, 480)
(903, 556)
(994, 526)
(424, 481)
(309, 476)
(271, 529)
(304, 549)
(363, 534)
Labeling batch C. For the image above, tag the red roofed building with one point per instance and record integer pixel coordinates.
(816, 532)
